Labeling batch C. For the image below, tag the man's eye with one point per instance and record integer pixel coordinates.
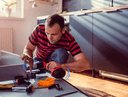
(54, 34)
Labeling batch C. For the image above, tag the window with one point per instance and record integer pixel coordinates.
(17, 9)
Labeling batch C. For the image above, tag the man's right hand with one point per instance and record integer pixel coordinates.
(27, 59)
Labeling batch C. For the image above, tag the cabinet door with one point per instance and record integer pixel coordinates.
(110, 41)
(81, 29)
(107, 3)
(97, 4)
(75, 5)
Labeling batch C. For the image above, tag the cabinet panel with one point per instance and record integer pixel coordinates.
(110, 41)
(120, 2)
(75, 5)
(81, 29)
(95, 4)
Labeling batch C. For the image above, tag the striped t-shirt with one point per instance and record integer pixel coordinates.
(45, 48)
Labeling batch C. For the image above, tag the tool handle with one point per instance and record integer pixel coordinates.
(5, 88)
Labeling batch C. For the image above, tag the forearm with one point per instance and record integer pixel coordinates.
(28, 52)
(77, 66)
(28, 49)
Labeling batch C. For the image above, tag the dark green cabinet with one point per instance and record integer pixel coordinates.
(119, 2)
(110, 41)
(81, 29)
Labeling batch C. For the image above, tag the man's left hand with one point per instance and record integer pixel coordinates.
(51, 65)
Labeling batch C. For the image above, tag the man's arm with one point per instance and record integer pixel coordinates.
(28, 52)
(80, 64)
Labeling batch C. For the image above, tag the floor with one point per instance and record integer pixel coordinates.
(97, 86)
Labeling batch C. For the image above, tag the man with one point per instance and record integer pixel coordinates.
(53, 42)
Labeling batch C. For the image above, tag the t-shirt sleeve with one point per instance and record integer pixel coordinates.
(33, 38)
(74, 48)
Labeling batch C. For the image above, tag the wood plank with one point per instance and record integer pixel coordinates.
(98, 87)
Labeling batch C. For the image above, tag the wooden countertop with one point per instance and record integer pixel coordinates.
(98, 87)
(90, 11)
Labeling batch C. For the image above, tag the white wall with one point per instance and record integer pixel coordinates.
(23, 28)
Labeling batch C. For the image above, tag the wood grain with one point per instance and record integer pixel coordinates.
(98, 87)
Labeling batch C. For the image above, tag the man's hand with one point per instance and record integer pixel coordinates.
(51, 65)
(27, 59)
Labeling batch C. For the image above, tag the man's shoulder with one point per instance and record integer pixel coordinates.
(40, 26)
(68, 36)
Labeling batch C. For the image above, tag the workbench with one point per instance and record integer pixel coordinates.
(68, 90)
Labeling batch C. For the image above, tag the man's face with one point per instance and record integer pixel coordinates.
(54, 33)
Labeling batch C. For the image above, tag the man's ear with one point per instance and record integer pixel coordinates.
(63, 30)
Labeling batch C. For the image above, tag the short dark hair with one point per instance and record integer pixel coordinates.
(55, 18)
